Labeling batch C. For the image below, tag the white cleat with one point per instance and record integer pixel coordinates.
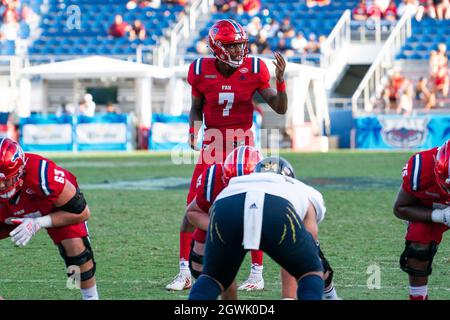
(182, 281)
(254, 282)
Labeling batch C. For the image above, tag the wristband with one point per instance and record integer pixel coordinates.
(281, 86)
(192, 130)
(45, 221)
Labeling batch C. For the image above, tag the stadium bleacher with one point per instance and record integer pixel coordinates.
(317, 20)
(426, 35)
(61, 38)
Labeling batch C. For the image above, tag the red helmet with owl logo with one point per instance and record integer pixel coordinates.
(12, 167)
(228, 42)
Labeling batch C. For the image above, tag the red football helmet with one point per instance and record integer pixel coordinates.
(441, 167)
(12, 167)
(241, 161)
(228, 32)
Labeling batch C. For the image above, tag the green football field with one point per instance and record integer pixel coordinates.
(137, 202)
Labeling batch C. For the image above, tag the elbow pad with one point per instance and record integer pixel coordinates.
(75, 205)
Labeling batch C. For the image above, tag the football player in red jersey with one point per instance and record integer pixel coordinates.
(222, 90)
(423, 201)
(34, 194)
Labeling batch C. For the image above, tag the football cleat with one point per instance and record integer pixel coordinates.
(254, 282)
(182, 281)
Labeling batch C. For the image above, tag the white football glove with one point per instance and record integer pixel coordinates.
(441, 216)
(27, 228)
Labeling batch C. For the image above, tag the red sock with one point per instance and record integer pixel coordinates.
(257, 257)
(418, 297)
(185, 245)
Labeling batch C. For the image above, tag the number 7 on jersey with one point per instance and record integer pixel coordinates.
(227, 97)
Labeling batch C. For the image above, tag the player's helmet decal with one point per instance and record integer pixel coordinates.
(228, 32)
(277, 165)
(12, 167)
(241, 161)
(442, 167)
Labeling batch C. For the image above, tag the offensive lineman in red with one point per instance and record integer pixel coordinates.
(423, 201)
(34, 194)
(222, 92)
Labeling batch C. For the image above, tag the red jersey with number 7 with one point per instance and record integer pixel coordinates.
(228, 101)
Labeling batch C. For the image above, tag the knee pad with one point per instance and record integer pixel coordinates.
(197, 258)
(422, 254)
(80, 259)
(326, 268)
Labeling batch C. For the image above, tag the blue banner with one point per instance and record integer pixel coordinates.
(70, 133)
(400, 132)
(168, 132)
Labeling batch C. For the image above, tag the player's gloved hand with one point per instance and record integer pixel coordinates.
(441, 216)
(27, 228)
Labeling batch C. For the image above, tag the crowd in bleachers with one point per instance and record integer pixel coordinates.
(17, 18)
(401, 94)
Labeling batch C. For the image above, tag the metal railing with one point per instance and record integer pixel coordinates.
(165, 53)
(371, 85)
(339, 36)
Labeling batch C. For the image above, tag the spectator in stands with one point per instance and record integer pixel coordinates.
(137, 31)
(29, 16)
(320, 3)
(272, 28)
(374, 12)
(11, 9)
(390, 13)
(322, 39)
(286, 29)
(111, 109)
(424, 95)
(254, 27)
(251, 7)
(283, 48)
(299, 43)
(411, 6)
(261, 44)
(133, 4)
(442, 9)
(429, 8)
(119, 28)
(225, 5)
(10, 27)
(313, 44)
(405, 103)
(359, 13)
(87, 106)
(391, 94)
(440, 71)
(202, 46)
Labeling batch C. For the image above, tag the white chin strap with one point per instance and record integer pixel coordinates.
(8, 194)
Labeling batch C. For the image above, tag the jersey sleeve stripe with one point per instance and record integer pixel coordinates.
(416, 171)
(210, 182)
(240, 162)
(255, 65)
(198, 66)
(43, 182)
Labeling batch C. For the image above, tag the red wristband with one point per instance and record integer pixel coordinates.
(281, 86)
(191, 130)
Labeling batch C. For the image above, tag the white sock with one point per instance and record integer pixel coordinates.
(330, 293)
(184, 266)
(90, 293)
(418, 291)
(256, 269)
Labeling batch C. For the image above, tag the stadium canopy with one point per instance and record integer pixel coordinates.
(97, 67)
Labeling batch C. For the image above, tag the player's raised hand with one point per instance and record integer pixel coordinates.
(280, 66)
